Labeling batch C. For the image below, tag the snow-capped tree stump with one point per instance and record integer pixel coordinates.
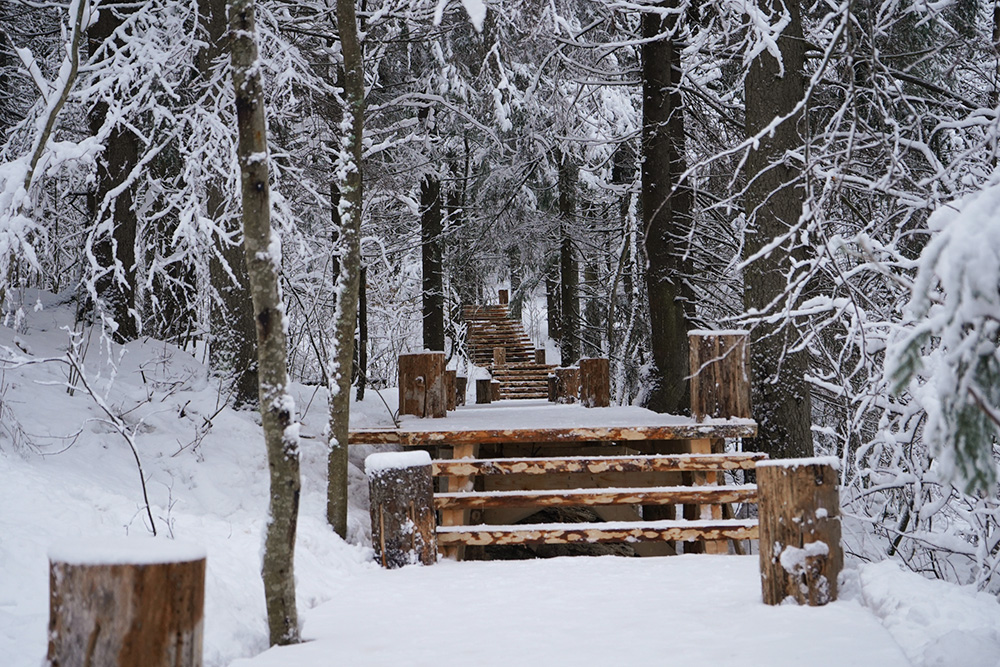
(499, 357)
(484, 390)
(402, 508)
(720, 374)
(461, 386)
(449, 389)
(422, 385)
(567, 384)
(800, 553)
(126, 602)
(595, 383)
(540, 356)
(503, 297)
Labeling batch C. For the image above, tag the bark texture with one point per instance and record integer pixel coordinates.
(595, 382)
(402, 514)
(569, 272)
(351, 199)
(720, 375)
(773, 203)
(422, 390)
(277, 408)
(666, 213)
(431, 229)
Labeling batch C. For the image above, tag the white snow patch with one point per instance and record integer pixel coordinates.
(376, 464)
(125, 551)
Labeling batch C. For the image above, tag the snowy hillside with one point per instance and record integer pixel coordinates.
(67, 471)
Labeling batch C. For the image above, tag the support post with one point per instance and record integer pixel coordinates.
(484, 390)
(720, 374)
(422, 385)
(553, 388)
(595, 383)
(495, 390)
(540, 356)
(449, 389)
(126, 602)
(800, 552)
(503, 297)
(567, 384)
(402, 508)
(461, 386)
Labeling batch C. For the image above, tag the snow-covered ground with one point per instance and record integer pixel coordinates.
(66, 472)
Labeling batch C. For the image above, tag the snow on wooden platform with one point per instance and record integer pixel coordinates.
(688, 610)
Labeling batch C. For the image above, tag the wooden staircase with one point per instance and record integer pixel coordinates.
(490, 327)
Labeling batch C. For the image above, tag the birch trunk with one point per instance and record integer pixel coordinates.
(349, 172)
(277, 409)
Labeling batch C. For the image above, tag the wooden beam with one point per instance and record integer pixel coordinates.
(664, 495)
(595, 465)
(609, 434)
(584, 533)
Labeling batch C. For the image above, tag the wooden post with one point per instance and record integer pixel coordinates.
(595, 383)
(422, 385)
(494, 390)
(126, 602)
(503, 296)
(720, 374)
(553, 388)
(449, 389)
(499, 357)
(484, 390)
(461, 385)
(567, 384)
(404, 529)
(540, 356)
(800, 553)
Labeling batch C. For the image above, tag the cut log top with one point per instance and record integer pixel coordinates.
(124, 551)
(376, 464)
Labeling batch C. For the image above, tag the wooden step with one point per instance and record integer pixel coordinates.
(601, 464)
(516, 397)
(599, 533)
(662, 495)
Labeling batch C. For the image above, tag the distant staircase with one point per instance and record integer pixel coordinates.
(491, 327)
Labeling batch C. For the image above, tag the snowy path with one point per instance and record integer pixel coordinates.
(689, 610)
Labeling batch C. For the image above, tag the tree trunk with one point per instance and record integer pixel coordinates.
(552, 305)
(431, 228)
(233, 347)
(362, 355)
(666, 214)
(569, 278)
(351, 200)
(114, 245)
(773, 203)
(277, 409)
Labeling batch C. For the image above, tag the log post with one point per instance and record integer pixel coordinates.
(553, 388)
(126, 602)
(484, 390)
(540, 356)
(494, 390)
(720, 374)
(404, 529)
(422, 385)
(449, 389)
(567, 384)
(595, 383)
(461, 385)
(503, 297)
(499, 357)
(800, 553)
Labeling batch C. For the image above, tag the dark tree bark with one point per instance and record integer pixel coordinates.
(277, 409)
(666, 213)
(114, 246)
(781, 403)
(552, 305)
(350, 266)
(569, 272)
(362, 347)
(431, 229)
(233, 350)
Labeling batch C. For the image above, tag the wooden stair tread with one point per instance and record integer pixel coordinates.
(599, 533)
(657, 495)
(595, 465)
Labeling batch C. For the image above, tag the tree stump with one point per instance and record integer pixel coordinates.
(800, 553)
(484, 390)
(499, 357)
(567, 384)
(461, 386)
(540, 356)
(422, 385)
(720, 374)
(449, 389)
(595, 383)
(494, 390)
(503, 297)
(126, 602)
(402, 508)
